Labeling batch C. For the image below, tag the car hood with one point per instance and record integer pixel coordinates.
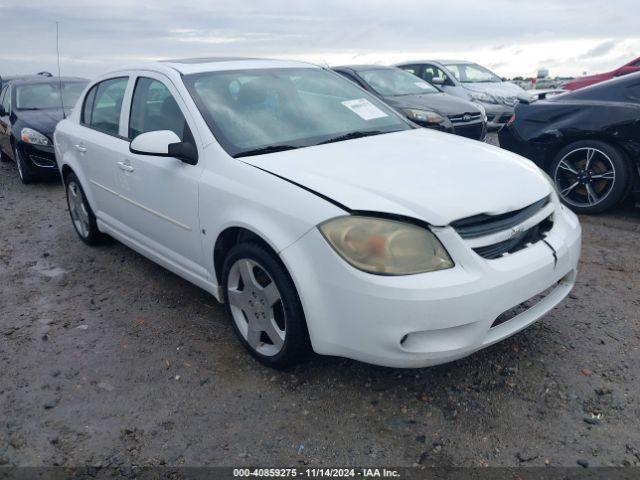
(421, 173)
(441, 103)
(499, 89)
(44, 121)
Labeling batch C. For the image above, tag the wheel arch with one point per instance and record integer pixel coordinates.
(230, 237)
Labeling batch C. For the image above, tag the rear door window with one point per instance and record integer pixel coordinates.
(103, 104)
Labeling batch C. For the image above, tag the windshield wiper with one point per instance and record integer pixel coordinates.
(352, 135)
(30, 108)
(263, 150)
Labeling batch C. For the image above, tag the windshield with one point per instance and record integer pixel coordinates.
(390, 82)
(37, 96)
(264, 110)
(472, 73)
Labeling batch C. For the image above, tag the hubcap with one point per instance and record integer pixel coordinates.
(585, 177)
(256, 307)
(78, 210)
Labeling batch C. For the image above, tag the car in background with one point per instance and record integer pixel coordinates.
(8, 78)
(30, 108)
(418, 100)
(321, 217)
(587, 140)
(632, 67)
(472, 82)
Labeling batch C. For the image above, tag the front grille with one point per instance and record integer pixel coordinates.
(481, 225)
(470, 117)
(516, 243)
(473, 229)
(469, 131)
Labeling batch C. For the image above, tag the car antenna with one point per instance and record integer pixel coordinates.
(58, 61)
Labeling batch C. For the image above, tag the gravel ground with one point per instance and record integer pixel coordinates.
(108, 359)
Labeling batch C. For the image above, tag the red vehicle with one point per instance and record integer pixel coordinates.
(631, 67)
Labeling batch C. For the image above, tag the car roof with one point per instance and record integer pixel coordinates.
(441, 62)
(359, 68)
(208, 64)
(35, 79)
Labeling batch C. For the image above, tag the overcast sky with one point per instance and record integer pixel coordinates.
(512, 37)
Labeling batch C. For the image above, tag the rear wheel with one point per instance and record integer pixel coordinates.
(264, 306)
(590, 176)
(82, 217)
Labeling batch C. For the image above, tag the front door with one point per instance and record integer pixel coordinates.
(162, 192)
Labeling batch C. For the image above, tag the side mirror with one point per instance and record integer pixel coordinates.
(3, 112)
(164, 143)
(437, 81)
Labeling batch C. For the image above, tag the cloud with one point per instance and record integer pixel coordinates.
(599, 50)
(101, 35)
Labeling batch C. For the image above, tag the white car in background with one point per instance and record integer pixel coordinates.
(322, 218)
(472, 82)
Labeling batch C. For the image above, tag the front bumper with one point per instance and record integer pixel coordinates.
(497, 115)
(431, 318)
(38, 160)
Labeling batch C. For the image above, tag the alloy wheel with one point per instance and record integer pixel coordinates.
(78, 209)
(584, 177)
(256, 307)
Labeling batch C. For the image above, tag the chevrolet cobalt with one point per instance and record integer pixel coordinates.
(320, 217)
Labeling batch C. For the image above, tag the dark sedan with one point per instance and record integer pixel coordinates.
(30, 108)
(419, 101)
(587, 140)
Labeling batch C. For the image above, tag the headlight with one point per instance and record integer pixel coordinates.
(423, 116)
(482, 97)
(385, 247)
(29, 135)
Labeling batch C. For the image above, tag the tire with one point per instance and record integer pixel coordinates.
(259, 292)
(25, 176)
(82, 216)
(4, 157)
(591, 176)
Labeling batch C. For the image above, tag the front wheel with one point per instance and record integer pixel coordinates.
(25, 176)
(263, 303)
(590, 176)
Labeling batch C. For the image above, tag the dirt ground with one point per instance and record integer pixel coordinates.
(109, 360)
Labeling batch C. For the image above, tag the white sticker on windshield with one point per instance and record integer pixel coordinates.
(364, 109)
(423, 85)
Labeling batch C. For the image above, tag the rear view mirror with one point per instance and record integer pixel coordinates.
(164, 143)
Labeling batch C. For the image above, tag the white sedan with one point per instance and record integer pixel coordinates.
(323, 220)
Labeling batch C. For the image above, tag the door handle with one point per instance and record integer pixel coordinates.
(81, 148)
(124, 166)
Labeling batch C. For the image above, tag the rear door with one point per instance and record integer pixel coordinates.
(162, 192)
(100, 146)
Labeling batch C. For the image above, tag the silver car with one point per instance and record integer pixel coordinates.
(472, 82)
